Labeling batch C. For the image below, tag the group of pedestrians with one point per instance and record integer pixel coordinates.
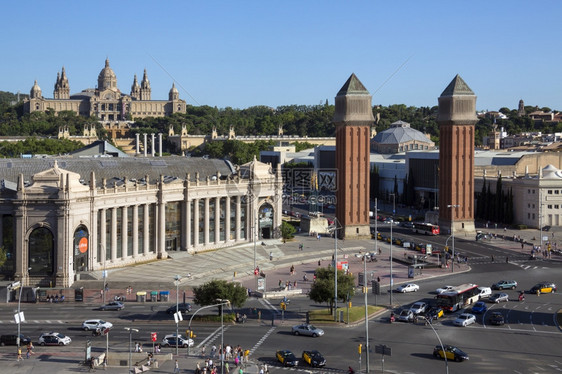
(236, 354)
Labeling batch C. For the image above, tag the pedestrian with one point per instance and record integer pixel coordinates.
(240, 371)
(521, 245)
(492, 258)
(378, 279)
(19, 354)
(177, 367)
(506, 259)
(226, 367)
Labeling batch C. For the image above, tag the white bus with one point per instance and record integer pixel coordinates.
(458, 297)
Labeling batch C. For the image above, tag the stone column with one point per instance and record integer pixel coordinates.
(160, 144)
(103, 235)
(238, 212)
(146, 232)
(206, 222)
(161, 232)
(153, 148)
(114, 234)
(135, 230)
(124, 226)
(217, 219)
(137, 147)
(187, 225)
(227, 219)
(145, 144)
(196, 222)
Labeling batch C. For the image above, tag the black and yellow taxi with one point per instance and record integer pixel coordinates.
(543, 287)
(434, 313)
(314, 358)
(397, 241)
(451, 352)
(287, 358)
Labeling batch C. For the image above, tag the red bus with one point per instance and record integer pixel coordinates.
(458, 297)
(425, 228)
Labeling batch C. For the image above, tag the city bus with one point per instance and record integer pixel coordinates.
(425, 228)
(458, 297)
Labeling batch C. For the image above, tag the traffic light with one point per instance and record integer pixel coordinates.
(359, 348)
(376, 287)
(190, 334)
(283, 305)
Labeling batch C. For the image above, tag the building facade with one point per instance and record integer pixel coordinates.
(60, 217)
(106, 102)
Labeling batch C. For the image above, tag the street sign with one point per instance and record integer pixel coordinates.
(383, 350)
(19, 317)
(153, 336)
(106, 331)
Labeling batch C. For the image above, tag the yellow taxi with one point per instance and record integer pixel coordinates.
(313, 358)
(452, 353)
(543, 287)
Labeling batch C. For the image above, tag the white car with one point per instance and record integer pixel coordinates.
(96, 324)
(170, 341)
(465, 319)
(443, 289)
(419, 307)
(408, 287)
(54, 338)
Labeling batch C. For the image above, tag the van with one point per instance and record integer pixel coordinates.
(484, 292)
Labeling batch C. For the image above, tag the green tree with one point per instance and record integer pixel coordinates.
(287, 230)
(3, 256)
(210, 292)
(322, 290)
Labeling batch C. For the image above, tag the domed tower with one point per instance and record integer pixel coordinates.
(353, 118)
(62, 88)
(135, 89)
(145, 87)
(35, 92)
(456, 119)
(174, 93)
(107, 78)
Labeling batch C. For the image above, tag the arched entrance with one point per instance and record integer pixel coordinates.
(81, 246)
(41, 252)
(265, 215)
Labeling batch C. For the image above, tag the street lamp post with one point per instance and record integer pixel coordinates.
(177, 279)
(222, 303)
(335, 231)
(130, 329)
(391, 222)
(453, 236)
(440, 342)
(365, 292)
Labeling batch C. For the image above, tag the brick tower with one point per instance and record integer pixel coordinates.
(353, 118)
(456, 118)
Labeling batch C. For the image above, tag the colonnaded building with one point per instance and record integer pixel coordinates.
(106, 102)
(65, 215)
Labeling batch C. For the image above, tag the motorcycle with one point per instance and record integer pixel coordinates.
(521, 297)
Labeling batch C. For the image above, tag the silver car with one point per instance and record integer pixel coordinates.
(307, 329)
(497, 297)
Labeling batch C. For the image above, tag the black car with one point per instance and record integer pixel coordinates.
(497, 319)
(12, 340)
(182, 307)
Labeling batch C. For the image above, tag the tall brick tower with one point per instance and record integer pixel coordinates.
(456, 118)
(353, 118)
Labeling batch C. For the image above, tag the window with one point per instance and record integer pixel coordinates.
(529, 191)
(533, 192)
(528, 215)
(529, 206)
(556, 192)
(549, 192)
(549, 206)
(533, 215)
(556, 207)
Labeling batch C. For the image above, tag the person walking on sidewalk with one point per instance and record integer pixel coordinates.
(177, 367)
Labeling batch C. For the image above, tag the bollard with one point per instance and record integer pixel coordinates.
(272, 319)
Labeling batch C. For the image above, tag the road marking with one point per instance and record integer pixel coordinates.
(262, 339)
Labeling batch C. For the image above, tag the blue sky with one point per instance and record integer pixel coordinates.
(244, 53)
